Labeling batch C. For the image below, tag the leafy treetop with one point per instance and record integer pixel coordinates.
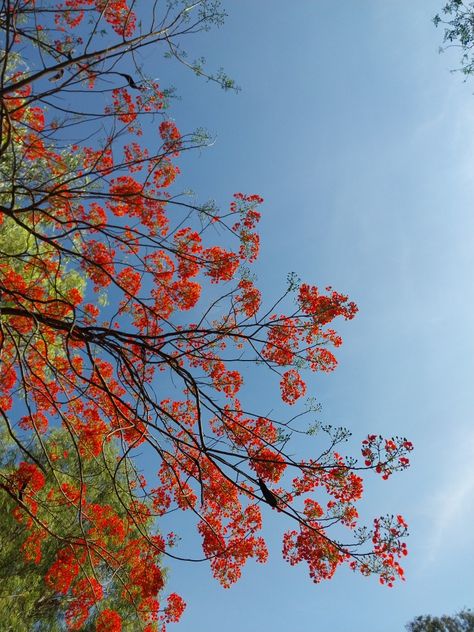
(462, 621)
(457, 17)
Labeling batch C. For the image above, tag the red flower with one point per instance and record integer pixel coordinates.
(292, 386)
(109, 621)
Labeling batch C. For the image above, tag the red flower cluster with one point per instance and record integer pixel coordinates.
(115, 12)
(171, 138)
(108, 621)
(292, 386)
(386, 455)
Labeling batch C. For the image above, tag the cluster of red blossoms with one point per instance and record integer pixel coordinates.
(386, 455)
(115, 12)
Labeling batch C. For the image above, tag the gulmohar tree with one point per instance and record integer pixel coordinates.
(129, 319)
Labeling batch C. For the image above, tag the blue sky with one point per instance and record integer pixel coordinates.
(352, 128)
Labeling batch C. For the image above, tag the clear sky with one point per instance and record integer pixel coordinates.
(352, 128)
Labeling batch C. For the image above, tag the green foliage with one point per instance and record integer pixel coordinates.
(457, 17)
(18, 247)
(27, 603)
(463, 621)
(209, 14)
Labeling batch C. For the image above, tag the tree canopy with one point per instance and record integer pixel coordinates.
(457, 18)
(34, 584)
(463, 621)
(129, 320)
